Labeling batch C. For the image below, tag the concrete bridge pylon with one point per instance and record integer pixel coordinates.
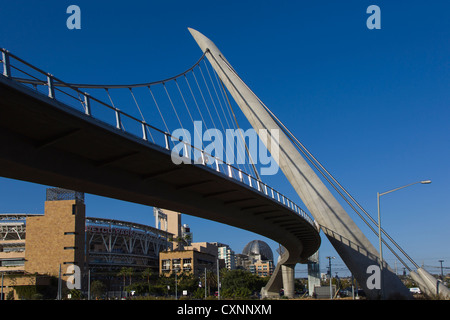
(345, 236)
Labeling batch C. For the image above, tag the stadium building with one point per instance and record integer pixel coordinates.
(36, 248)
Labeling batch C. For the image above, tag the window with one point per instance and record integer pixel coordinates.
(166, 265)
(176, 264)
(187, 264)
(12, 262)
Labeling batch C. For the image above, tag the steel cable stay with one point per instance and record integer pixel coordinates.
(143, 119)
(173, 107)
(243, 139)
(107, 87)
(196, 104)
(218, 116)
(209, 113)
(232, 125)
(190, 115)
(336, 185)
(229, 104)
(159, 110)
(121, 97)
(120, 123)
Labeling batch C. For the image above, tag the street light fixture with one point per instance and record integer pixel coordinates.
(379, 225)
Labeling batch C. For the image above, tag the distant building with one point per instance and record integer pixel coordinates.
(257, 257)
(187, 261)
(36, 247)
(313, 272)
(170, 221)
(258, 250)
(193, 259)
(262, 268)
(226, 254)
(242, 261)
(186, 234)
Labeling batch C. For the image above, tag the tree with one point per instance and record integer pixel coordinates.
(98, 288)
(188, 281)
(124, 272)
(240, 283)
(147, 273)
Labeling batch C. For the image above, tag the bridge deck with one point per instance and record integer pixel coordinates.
(47, 142)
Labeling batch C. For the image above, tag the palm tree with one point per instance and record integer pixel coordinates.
(147, 273)
(125, 272)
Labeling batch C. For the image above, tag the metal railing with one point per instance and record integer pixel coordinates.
(56, 89)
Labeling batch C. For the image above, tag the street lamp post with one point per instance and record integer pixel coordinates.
(442, 270)
(379, 226)
(331, 277)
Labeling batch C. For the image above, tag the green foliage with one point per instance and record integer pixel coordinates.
(199, 293)
(98, 289)
(33, 292)
(240, 284)
(187, 282)
(26, 292)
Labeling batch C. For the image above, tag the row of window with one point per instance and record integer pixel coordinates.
(12, 263)
(176, 264)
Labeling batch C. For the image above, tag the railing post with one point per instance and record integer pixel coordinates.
(230, 173)
(51, 88)
(203, 157)
(186, 151)
(118, 121)
(241, 178)
(87, 103)
(6, 65)
(217, 164)
(166, 136)
(144, 131)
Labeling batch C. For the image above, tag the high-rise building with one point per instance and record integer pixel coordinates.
(170, 221)
(225, 253)
(186, 234)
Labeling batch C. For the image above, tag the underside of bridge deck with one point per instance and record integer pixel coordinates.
(46, 142)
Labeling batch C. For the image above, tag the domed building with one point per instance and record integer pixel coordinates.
(258, 250)
(258, 258)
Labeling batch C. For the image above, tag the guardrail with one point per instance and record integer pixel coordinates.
(49, 85)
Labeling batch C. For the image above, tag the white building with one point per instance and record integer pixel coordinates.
(228, 256)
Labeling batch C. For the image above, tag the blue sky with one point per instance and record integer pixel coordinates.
(371, 105)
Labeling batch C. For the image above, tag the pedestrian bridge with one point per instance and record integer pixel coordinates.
(75, 136)
(54, 133)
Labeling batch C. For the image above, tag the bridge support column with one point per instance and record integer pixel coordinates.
(288, 272)
(430, 285)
